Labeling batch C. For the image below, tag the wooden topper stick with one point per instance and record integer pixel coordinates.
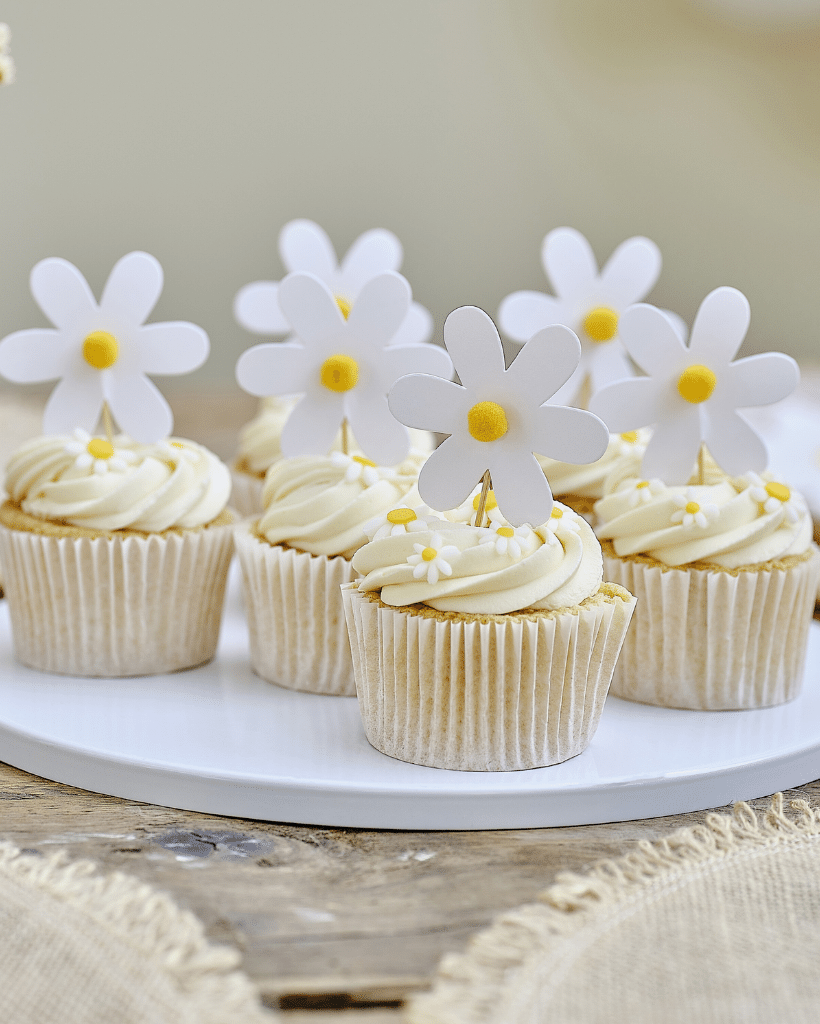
(345, 443)
(482, 498)
(109, 426)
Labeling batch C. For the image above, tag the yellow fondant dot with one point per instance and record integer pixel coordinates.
(97, 448)
(362, 460)
(340, 373)
(696, 383)
(779, 491)
(640, 484)
(401, 516)
(100, 350)
(631, 436)
(557, 513)
(490, 503)
(487, 421)
(692, 507)
(601, 324)
(343, 305)
(429, 554)
(505, 531)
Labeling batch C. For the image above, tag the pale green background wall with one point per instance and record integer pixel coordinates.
(195, 129)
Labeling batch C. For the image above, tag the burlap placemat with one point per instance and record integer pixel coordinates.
(717, 924)
(78, 947)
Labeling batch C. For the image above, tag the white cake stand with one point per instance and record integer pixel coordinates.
(218, 739)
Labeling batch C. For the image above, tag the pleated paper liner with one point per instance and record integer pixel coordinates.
(484, 693)
(116, 606)
(710, 639)
(293, 603)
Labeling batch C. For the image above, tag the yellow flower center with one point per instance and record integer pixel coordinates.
(692, 507)
(696, 383)
(490, 503)
(343, 305)
(487, 421)
(601, 324)
(779, 491)
(557, 513)
(505, 531)
(97, 448)
(176, 444)
(641, 484)
(401, 516)
(100, 350)
(429, 554)
(340, 373)
(362, 460)
(631, 437)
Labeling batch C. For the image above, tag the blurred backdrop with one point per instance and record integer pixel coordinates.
(194, 129)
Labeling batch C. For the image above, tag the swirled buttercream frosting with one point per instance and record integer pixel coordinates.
(589, 481)
(728, 522)
(87, 482)
(490, 570)
(321, 503)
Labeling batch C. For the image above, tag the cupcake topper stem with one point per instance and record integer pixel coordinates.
(486, 484)
(691, 393)
(109, 426)
(497, 418)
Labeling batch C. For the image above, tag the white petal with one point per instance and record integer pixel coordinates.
(569, 263)
(173, 347)
(400, 360)
(629, 404)
(569, 435)
(312, 311)
(770, 505)
(701, 520)
(76, 401)
(304, 246)
(523, 314)
(312, 425)
(608, 363)
(650, 338)
(474, 346)
(416, 327)
(62, 292)
(429, 403)
(673, 448)
(34, 355)
(432, 573)
(515, 548)
(444, 567)
(523, 495)
(720, 327)
(84, 461)
(275, 368)
(449, 475)
(734, 445)
(100, 467)
(132, 288)
(677, 517)
(421, 567)
(382, 438)
(371, 254)
(139, 408)
(118, 464)
(256, 307)
(545, 364)
(631, 272)
(757, 380)
(379, 311)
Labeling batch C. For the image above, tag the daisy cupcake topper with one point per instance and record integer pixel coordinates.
(692, 392)
(497, 418)
(101, 352)
(306, 248)
(587, 301)
(343, 363)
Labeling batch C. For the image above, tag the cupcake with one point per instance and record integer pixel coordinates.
(115, 555)
(296, 556)
(483, 648)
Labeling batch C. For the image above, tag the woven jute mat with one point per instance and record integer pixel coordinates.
(719, 923)
(78, 947)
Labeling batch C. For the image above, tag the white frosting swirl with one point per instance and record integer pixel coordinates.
(725, 522)
(150, 488)
(589, 481)
(492, 571)
(321, 503)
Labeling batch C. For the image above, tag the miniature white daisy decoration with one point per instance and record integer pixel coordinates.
(102, 352)
(432, 560)
(498, 417)
(691, 512)
(399, 520)
(587, 301)
(692, 392)
(559, 518)
(357, 467)
(305, 247)
(97, 454)
(641, 492)
(508, 540)
(342, 366)
(774, 496)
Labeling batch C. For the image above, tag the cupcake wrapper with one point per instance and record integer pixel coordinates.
(483, 696)
(712, 641)
(298, 637)
(246, 493)
(121, 606)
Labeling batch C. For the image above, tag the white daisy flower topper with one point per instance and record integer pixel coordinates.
(102, 352)
(692, 392)
(498, 417)
(343, 366)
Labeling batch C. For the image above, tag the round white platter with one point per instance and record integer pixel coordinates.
(218, 739)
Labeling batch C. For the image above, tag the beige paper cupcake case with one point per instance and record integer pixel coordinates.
(296, 622)
(246, 493)
(502, 694)
(116, 606)
(714, 640)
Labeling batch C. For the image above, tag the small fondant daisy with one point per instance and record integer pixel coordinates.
(773, 496)
(358, 468)
(691, 512)
(507, 540)
(97, 454)
(641, 492)
(432, 561)
(558, 518)
(399, 520)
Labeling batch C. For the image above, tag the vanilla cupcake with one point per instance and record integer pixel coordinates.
(298, 553)
(725, 574)
(115, 556)
(483, 649)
